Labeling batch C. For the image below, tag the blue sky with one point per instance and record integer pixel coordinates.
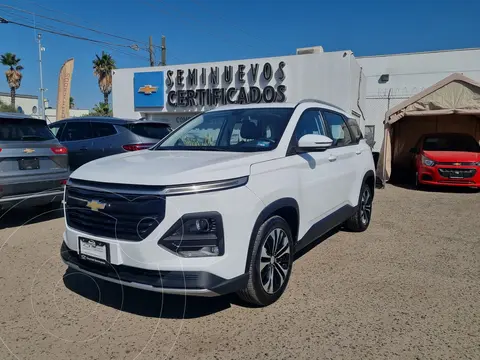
(215, 30)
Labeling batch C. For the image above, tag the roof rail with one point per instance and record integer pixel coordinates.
(320, 102)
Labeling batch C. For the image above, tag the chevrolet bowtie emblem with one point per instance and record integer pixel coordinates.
(457, 164)
(28, 151)
(95, 205)
(148, 89)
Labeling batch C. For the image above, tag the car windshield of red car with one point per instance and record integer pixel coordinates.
(451, 142)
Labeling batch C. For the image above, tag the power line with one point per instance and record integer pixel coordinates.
(54, 30)
(69, 35)
(72, 24)
(80, 26)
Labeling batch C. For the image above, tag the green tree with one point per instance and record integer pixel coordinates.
(72, 102)
(102, 69)
(101, 109)
(13, 74)
(6, 107)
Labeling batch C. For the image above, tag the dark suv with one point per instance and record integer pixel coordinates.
(90, 138)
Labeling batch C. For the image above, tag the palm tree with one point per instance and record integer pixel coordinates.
(102, 69)
(101, 109)
(13, 74)
(72, 102)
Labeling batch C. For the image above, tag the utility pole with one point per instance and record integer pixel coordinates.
(42, 100)
(164, 51)
(151, 51)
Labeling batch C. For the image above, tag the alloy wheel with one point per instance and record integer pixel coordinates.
(275, 260)
(366, 206)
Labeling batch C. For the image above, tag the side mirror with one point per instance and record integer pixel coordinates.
(414, 151)
(313, 142)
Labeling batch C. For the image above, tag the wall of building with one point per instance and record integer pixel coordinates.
(51, 114)
(28, 103)
(332, 77)
(408, 75)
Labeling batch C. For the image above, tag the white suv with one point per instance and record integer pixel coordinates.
(222, 203)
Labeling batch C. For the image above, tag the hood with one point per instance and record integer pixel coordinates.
(452, 156)
(149, 167)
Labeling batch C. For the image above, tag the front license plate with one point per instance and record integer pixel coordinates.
(93, 250)
(29, 164)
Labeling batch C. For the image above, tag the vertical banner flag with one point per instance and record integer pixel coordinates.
(64, 84)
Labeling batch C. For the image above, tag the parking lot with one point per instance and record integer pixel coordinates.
(408, 288)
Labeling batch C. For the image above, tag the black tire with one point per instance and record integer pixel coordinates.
(255, 292)
(361, 219)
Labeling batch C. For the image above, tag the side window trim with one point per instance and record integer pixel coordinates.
(293, 139)
(352, 142)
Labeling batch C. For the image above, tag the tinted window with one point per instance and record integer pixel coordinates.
(355, 129)
(102, 129)
(310, 122)
(338, 129)
(451, 142)
(240, 130)
(57, 130)
(75, 131)
(24, 130)
(150, 130)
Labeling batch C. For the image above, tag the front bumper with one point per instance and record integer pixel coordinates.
(197, 283)
(432, 175)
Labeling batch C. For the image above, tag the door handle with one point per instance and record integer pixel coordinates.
(83, 149)
(358, 152)
(332, 158)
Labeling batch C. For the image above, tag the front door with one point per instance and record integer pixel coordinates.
(316, 173)
(77, 137)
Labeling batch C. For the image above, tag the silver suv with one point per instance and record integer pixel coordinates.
(33, 164)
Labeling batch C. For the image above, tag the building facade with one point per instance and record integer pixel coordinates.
(28, 104)
(175, 93)
(367, 87)
(392, 79)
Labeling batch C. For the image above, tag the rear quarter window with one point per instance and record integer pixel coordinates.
(24, 130)
(150, 130)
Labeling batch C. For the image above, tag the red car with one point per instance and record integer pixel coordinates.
(447, 159)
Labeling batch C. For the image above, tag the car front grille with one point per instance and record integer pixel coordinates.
(125, 215)
(457, 173)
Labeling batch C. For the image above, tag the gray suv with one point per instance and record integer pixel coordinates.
(90, 138)
(33, 164)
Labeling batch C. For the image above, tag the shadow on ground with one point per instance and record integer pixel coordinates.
(437, 189)
(23, 216)
(145, 303)
(151, 304)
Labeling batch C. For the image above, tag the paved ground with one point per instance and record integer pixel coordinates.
(408, 288)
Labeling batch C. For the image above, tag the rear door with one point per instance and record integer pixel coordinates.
(29, 153)
(342, 155)
(105, 140)
(77, 137)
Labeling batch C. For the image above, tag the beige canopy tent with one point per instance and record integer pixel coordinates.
(451, 105)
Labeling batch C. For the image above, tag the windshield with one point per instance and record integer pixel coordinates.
(150, 130)
(239, 130)
(24, 130)
(451, 142)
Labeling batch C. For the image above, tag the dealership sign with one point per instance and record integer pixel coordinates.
(210, 86)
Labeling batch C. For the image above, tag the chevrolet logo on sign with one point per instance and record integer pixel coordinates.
(95, 205)
(148, 89)
(29, 151)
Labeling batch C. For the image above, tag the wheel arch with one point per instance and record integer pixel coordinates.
(288, 209)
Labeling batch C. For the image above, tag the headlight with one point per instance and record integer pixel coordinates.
(196, 235)
(426, 161)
